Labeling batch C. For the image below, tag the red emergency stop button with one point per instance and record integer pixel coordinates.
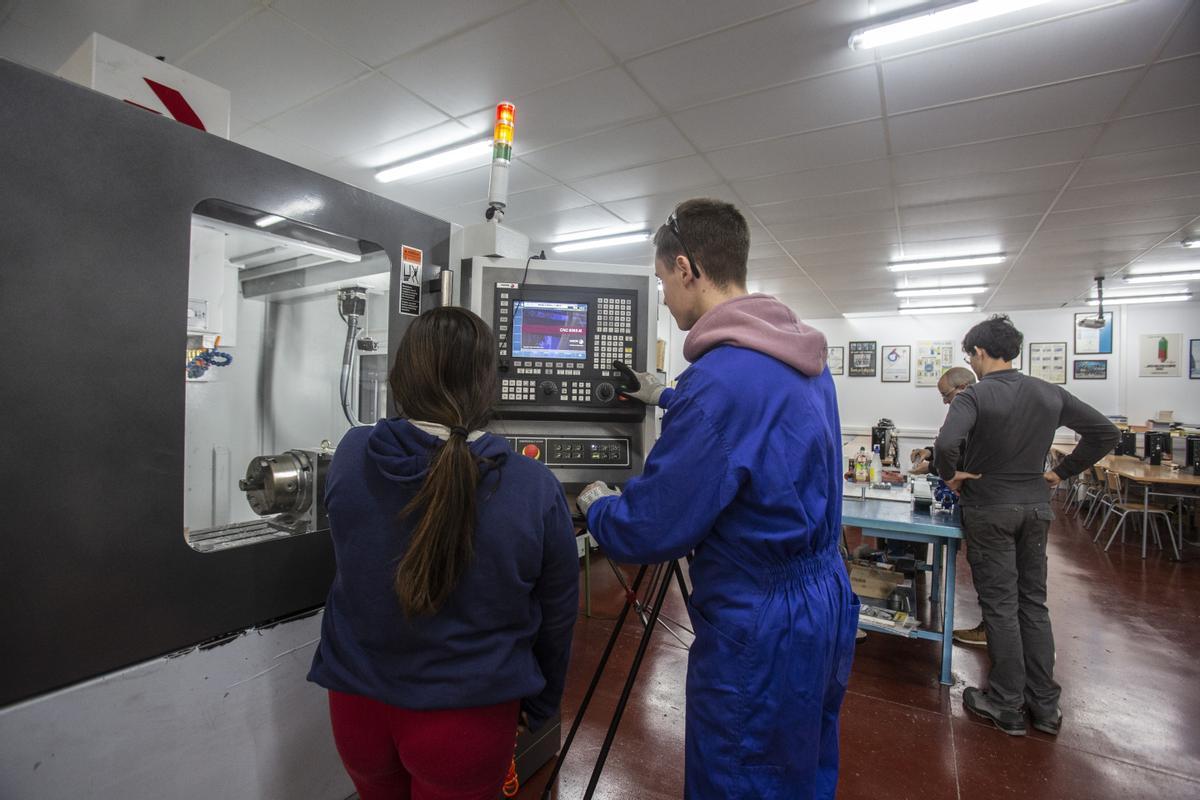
(532, 451)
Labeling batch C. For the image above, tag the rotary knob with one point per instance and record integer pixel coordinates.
(605, 392)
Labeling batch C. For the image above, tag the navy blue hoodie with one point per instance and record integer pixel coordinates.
(504, 632)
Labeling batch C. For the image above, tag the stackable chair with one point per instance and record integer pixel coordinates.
(1121, 509)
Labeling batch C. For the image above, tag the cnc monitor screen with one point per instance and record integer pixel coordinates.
(550, 330)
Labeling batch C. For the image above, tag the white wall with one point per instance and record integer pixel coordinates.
(918, 411)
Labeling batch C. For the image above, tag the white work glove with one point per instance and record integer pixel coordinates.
(593, 492)
(644, 386)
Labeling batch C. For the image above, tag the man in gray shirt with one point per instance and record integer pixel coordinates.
(992, 449)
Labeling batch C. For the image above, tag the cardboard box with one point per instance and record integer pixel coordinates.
(872, 582)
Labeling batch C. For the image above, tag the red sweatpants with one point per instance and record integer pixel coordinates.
(397, 754)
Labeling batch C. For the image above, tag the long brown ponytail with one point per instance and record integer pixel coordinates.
(445, 372)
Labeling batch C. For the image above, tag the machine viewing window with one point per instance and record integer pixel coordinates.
(287, 330)
(550, 330)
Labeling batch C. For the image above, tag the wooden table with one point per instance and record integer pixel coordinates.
(1148, 475)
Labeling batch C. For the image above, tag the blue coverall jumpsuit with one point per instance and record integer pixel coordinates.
(747, 474)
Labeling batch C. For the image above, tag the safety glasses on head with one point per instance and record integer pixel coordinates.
(673, 226)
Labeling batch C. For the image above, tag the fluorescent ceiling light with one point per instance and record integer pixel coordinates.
(268, 220)
(609, 241)
(597, 233)
(940, 290)
(1146, 298)
(1191, 243)
(910, 310)
(1162, 277)
(932, 21)
(865, 314)
(920, 264)
(432, 161)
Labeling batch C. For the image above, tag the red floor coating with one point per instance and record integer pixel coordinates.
(1127, 633)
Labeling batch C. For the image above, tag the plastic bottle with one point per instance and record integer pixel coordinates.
(876, 474)
(861, 468)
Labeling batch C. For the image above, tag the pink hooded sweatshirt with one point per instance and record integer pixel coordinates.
(759, 322)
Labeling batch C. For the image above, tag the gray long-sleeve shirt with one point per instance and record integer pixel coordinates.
(1002, 428)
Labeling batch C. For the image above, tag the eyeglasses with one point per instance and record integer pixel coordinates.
(673, 226)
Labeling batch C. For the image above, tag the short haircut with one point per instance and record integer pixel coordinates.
(716, 235)
(959, 376)
(997, 336)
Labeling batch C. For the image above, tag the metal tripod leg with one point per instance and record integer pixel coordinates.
(632, 677)
(630, 600)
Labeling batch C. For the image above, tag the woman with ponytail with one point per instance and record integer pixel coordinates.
(450, 617)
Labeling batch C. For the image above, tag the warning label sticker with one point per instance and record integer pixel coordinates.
(410, 281)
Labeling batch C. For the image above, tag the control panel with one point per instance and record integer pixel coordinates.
(557, 345)
(571, 451)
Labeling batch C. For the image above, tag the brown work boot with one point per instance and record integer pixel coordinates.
(976, 636)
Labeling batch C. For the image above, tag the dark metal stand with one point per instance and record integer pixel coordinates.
(631, 601)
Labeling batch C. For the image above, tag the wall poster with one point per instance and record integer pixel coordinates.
(1048, 361)
(1090, 369)
(1160, 356)
(1194, 362)
(1094, 341)
(933, 358)
(895, 361)
(835, 357)
(862, 360)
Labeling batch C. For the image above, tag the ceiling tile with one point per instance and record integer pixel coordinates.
(1083, 102)
(539, 202)
(269, 65)
(359, 115)
(862, 141)
(459, 188)
(1016, 152)
(1153, 130)
(659, 206)
(1053, 51)
(815, 231)
(44, 34)
(1168, 84)
(985, 184)
(537, 45)
(1178, 207)
(814, 183)
(993, 230)
(821, 207)
(548, 226)
(633, 145)
(1186, 38)
(824, 102)
(598, 100)
(1132, 166)
(632, 27)
(666, 176)
(279, 146)
(1149, 229)
(404, 148)
(1142, 191)
(772, 267)
(378, 30)
(1013, 206)
(799, 43)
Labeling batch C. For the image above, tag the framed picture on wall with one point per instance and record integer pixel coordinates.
(895, 363)
(1159, 356)
(1194, 359)
(1094, 341)
(1090, 369)
(1048, 361)
(862, 360)
(835, 357)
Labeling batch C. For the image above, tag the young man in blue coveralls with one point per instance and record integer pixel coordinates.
(747, 475)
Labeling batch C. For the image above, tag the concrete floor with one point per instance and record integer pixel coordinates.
(1127, 637)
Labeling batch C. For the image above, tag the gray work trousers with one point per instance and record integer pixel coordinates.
(1006, 548)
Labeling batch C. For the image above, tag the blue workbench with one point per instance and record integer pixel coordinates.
(893, 520)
